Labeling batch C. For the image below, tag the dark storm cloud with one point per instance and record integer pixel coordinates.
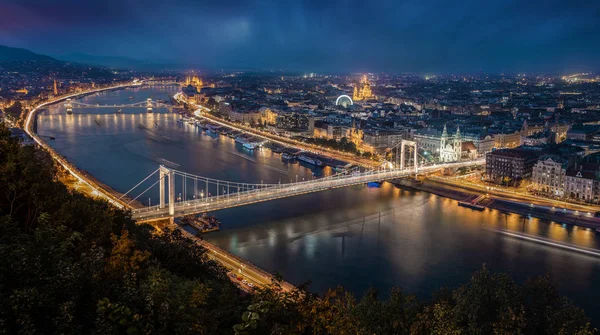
(421, 35)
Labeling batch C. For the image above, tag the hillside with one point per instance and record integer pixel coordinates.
(113, 61)
(19, 54)
(108, 61)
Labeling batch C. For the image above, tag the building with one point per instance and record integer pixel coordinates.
(268, 116)
(377, 141)
(582, 133)
(468, 151)
(538, 139)
(507, 140)
(320, 130)
(245, 116)
(510, 165)
(446, 148)
(194, 81)
(583, 183)
(548, 175)
(362, 91)
(292, 121)
(224, 109)
(450, 149)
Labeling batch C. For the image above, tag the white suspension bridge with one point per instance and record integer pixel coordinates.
(149, 104)
(182, 193)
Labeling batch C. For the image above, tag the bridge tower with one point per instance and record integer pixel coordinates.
(69, 106)
(149, 105)
(403, 146)
(165, 172)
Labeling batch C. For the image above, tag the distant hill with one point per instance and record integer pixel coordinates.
(109, 61)
(19, 54)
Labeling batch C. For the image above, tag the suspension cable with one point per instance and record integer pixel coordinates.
(138, 184)
(146, 190)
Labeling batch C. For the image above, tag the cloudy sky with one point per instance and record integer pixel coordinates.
(317, 35)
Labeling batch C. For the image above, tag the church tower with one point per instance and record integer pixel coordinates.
(525, 129)
(444, 138)
(457, 145)
(55, 88)
(443, 142)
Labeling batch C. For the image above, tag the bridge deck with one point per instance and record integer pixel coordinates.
(279, 191)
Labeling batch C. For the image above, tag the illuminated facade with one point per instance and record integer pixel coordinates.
(548, 175)
(363, 90)
(194, 81)
(450, 150)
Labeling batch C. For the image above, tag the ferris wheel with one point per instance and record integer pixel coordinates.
(344, 100)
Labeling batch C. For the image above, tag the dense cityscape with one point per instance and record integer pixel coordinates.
(153, 194)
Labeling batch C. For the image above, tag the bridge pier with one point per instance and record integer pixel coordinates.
(169, 174)
(403, 146)
(162, 175)
(69, 106)
(149, 105)
(171, 192)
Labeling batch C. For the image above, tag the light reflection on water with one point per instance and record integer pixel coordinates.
(356, 236)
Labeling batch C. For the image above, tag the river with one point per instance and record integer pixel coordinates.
(356, 237)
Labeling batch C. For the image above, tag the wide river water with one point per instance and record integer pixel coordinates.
(355, 237)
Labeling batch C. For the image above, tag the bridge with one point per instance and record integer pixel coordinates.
(149, 104)
(164, 81)
(198, 194)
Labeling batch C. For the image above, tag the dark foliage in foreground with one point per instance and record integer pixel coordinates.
(73, 265)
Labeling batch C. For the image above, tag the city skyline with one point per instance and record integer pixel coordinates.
(303, 167)
(342, 36)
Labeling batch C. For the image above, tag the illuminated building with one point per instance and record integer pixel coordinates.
(194, 81)
(507, 141)
(453, 148)
(548, 175)
(510, 165)
(363, 90)
(268, 116)
(450, 151)
(55, 88)
(583, 183)
(245, 116)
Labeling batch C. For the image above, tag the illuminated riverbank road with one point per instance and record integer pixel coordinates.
(197, 194)
(81, 177)
(243, 273)
(511, 195)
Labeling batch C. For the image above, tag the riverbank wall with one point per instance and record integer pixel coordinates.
(507, 206)
(219, 252)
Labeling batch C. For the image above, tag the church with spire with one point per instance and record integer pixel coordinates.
(446, 147)
(450, 148)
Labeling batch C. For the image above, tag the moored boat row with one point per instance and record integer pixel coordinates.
(251, 142)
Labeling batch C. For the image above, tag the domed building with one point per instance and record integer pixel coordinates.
(194, 81)
(362, 91)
